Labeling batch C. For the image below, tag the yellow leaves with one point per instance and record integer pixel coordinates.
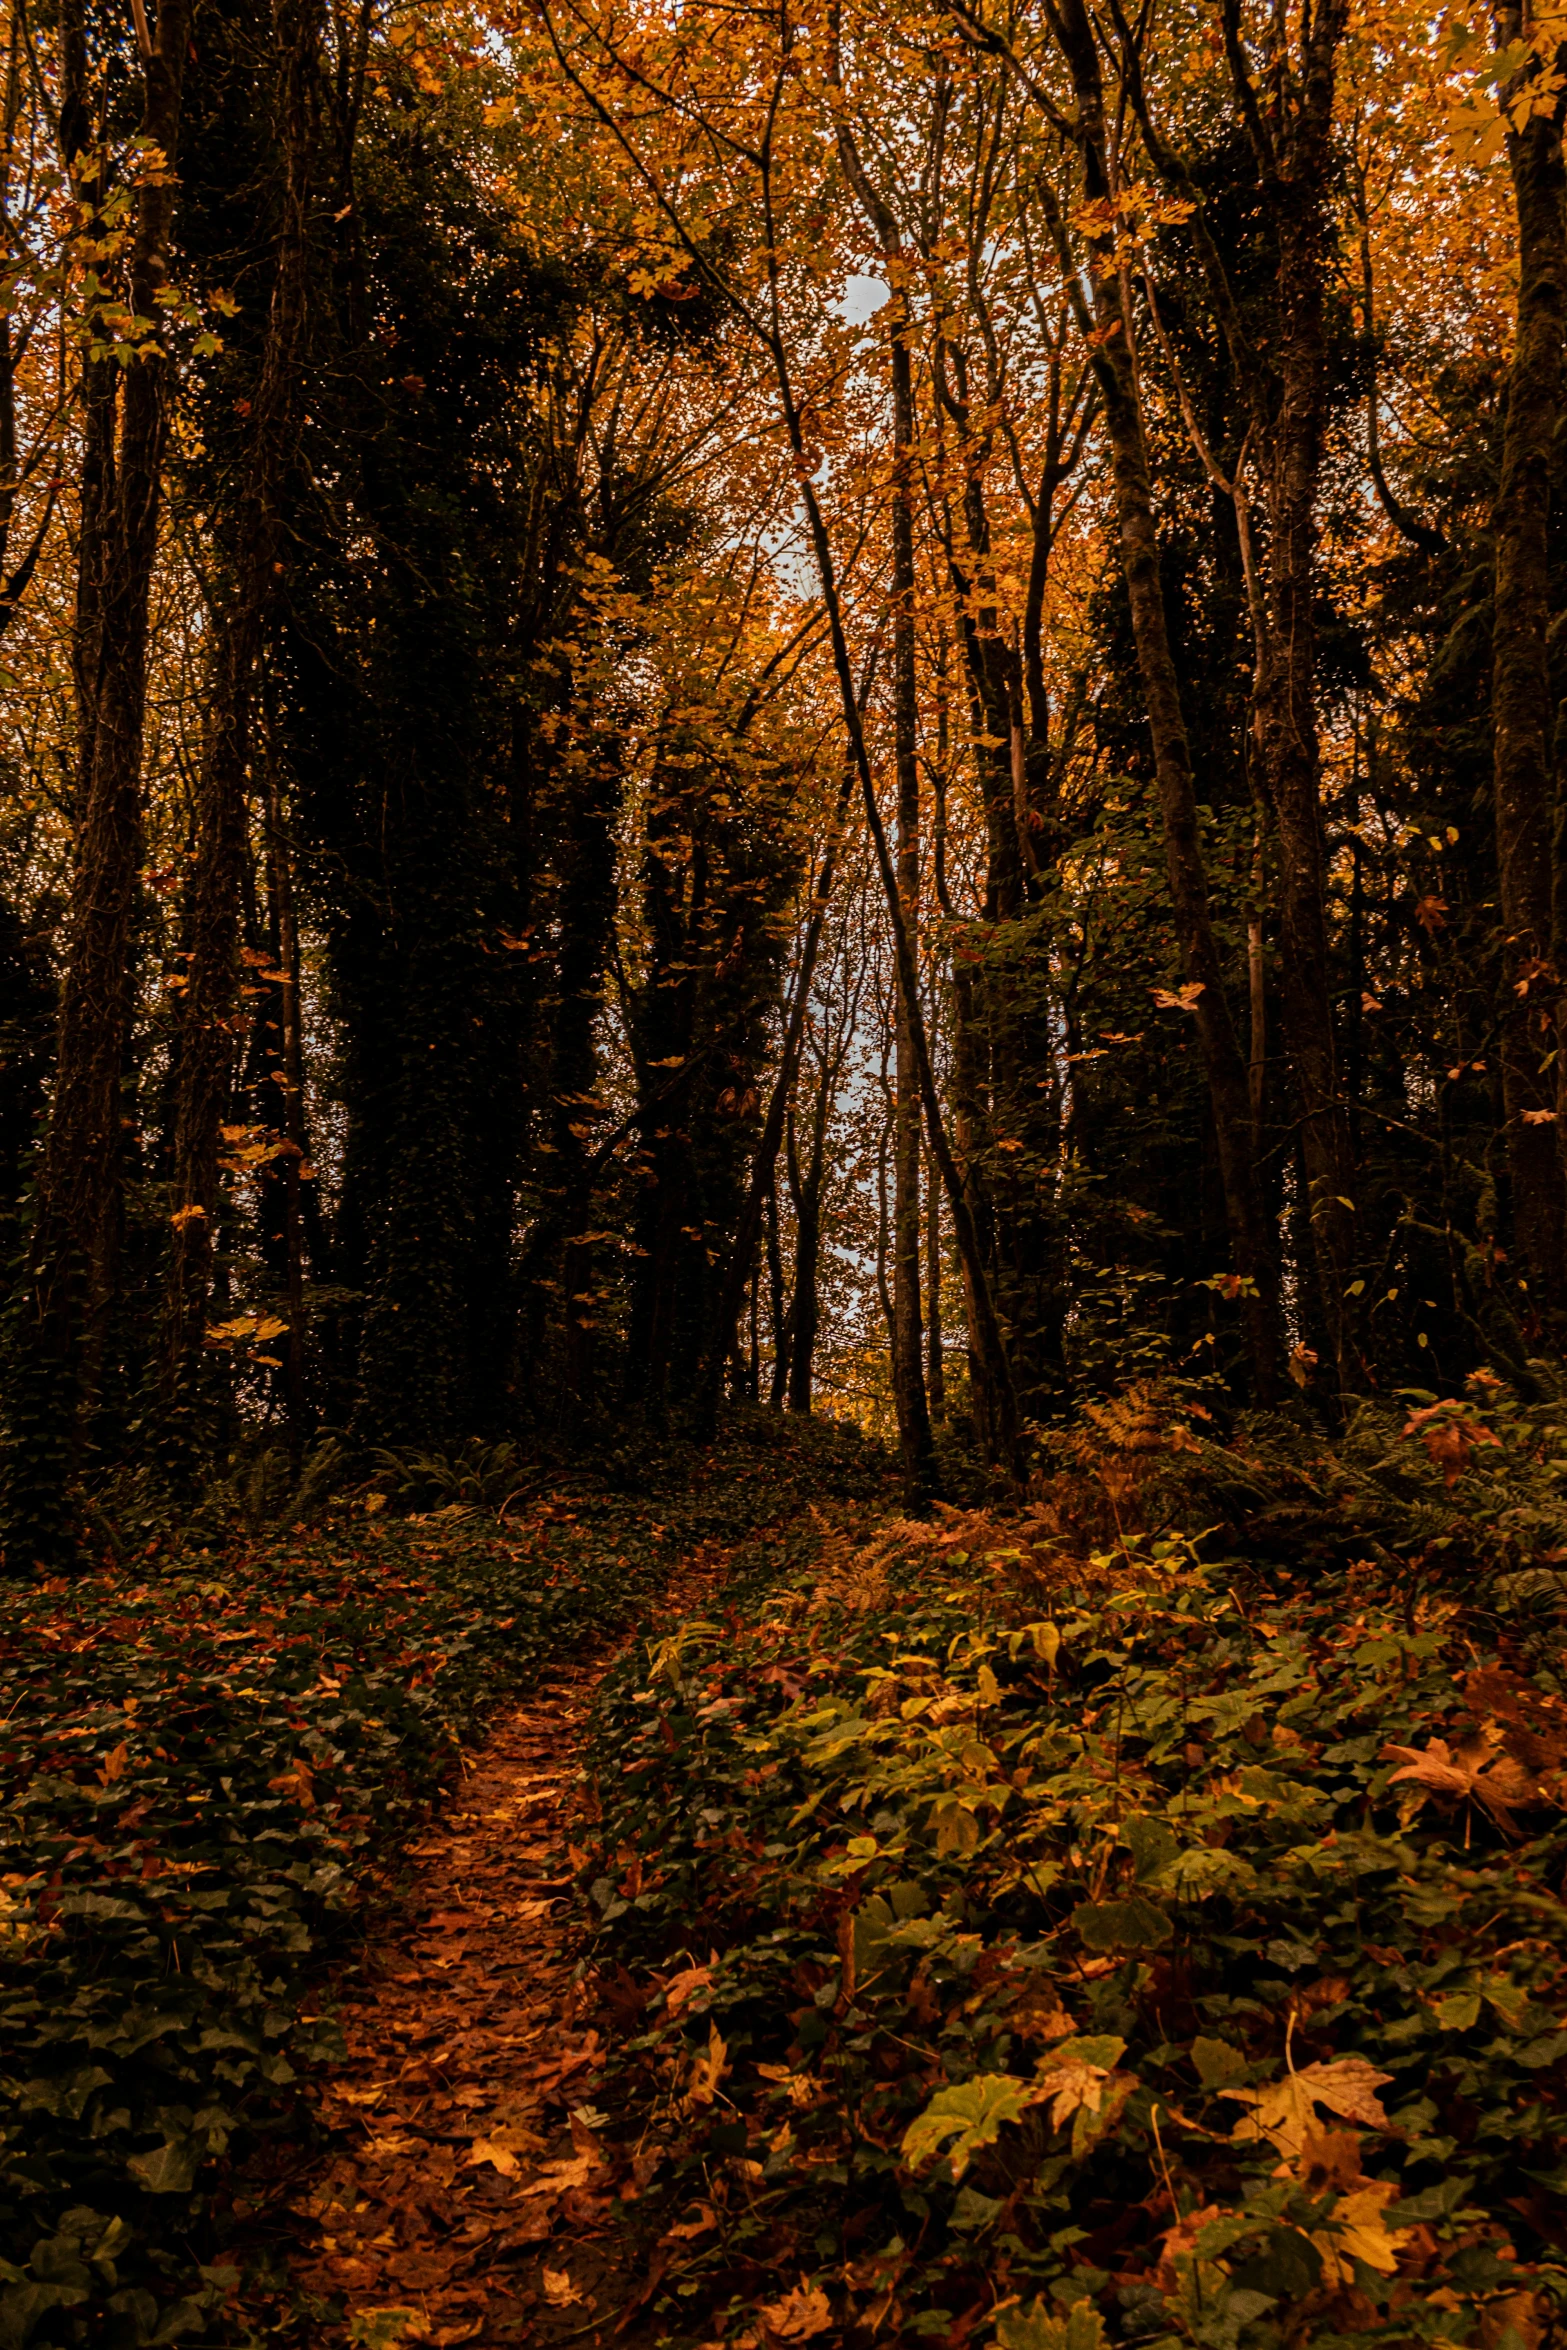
(956, 1828)
(559, 2291)
(501, 2148)
(248, 1147)
(708, 2069)
(1284, 2112)
(1180, 999)
(114, 1765)
(245, 1328)
(183, 1216)
(298, 1782)
(802, 2088)
(1357, 2230)
(16, 1924)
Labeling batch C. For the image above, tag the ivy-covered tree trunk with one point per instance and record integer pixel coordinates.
(1522, 707)
(76, 1233)
(209, 1030)
(1286, 683)
(1110, 329)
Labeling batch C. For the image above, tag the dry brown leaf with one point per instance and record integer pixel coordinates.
(1515, 2322)
(1284, 2112)
(708, 2069)
(1180, 2239)
(556, 2178)
(681, 1989)
(1471, 1772)
(501, 2147)
(799, 2315)
(559, 2291)
(1071, 2087)
(1329, 2161)
(685, 2229)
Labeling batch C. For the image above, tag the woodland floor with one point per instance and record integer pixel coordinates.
(459, 2189)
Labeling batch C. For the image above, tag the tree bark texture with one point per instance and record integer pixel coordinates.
(1523, 713)
(209, 1031)
(125, 428)
(1111, 327)
(1285, 689)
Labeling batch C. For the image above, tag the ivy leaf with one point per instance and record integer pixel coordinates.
(170, 2169)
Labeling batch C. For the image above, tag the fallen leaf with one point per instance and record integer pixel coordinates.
(799, 2315)
(1356, 2230)
(1070, 2087)
(685, 2229)
(559, 2291)
(379, 2329)
(708, 2069)
(681, 1989)
(557, 2178)
(1284, 2112)
(1472, 1772)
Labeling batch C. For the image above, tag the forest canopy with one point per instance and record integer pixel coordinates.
(846, 706)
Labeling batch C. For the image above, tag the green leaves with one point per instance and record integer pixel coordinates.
(194, 1771)
(170, 2169)
(1181, 1876)
(1121, 1925)
(1040, 2327)
(962, 2120)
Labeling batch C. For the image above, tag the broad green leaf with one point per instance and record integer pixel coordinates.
(1217, 2062)
(1122, 1925)
(969, 2116)
(1044, 2327)
(1152, 1845)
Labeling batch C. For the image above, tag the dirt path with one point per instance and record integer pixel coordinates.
(467, 2194)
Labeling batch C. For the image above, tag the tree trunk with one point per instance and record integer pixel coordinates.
(938, 1376)
(1110, 330)
(125, 427)
(1522, 712)
(205, 1071)
(914, 1432)
(908, 1374)
(1285, 691)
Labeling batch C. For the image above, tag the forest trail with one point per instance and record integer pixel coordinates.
(463, 2193)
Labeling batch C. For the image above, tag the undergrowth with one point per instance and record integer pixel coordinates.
(1139, 1945)
(204, 1756)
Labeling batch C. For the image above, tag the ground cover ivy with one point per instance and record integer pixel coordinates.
(203, 1755)
(1175, 1958)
